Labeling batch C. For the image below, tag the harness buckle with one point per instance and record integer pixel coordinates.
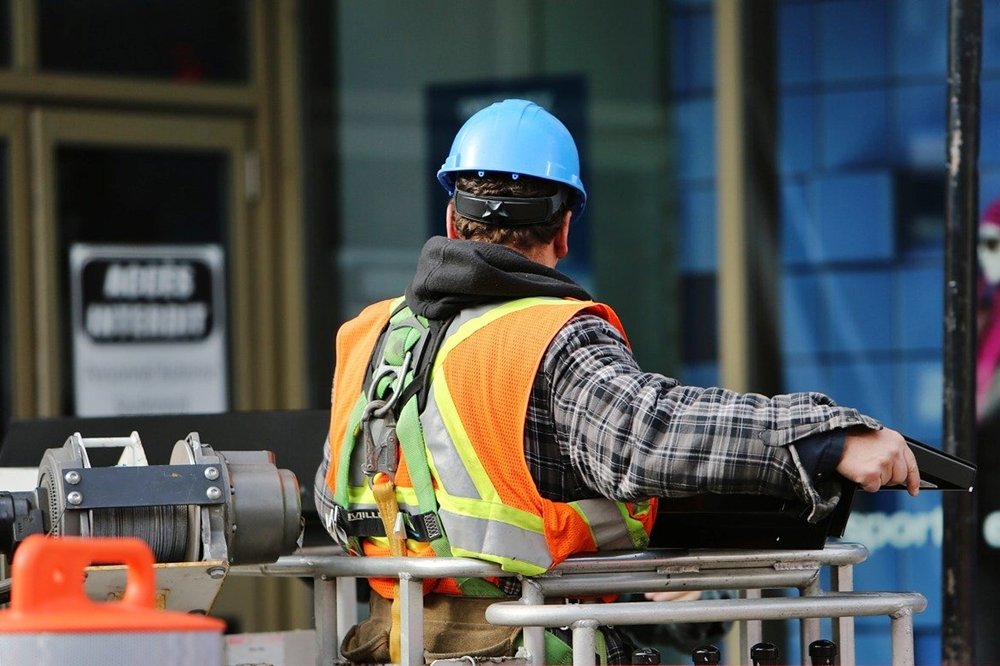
(336, 524)
(378, 423)
(381, 442)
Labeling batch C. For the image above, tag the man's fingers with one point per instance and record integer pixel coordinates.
(875, 459)
(684, 595)
(900, 470)
(912, 474)
(905, 471)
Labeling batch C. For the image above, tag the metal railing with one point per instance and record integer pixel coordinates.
(335, 574)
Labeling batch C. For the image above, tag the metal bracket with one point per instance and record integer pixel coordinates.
(156, 485)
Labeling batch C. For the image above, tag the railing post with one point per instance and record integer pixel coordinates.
(534, 637)
(347, 606)
(327, 620)
(411, 628)
(842, 580)
(809, 627)
(958, 547)
(901, 626)
(583, 642)
(751, 631)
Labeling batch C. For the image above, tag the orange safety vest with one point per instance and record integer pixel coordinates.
(473, 430)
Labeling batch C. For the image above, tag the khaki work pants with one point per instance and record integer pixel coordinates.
(453, 627)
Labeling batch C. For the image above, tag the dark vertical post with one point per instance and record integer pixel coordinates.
(747, 194)
(763, 207)
(959, 546)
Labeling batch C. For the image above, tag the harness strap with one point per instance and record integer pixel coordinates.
(384, 491)
(414, 451)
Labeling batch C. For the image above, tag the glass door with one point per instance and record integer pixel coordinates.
(142, 256)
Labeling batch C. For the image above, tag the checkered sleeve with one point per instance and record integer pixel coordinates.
(322, 494)
(631, 434)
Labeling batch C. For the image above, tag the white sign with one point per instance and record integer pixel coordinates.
(149, 329)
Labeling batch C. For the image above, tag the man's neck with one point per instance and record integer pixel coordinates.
(542, 254)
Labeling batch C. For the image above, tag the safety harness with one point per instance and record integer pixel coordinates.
(388, 430)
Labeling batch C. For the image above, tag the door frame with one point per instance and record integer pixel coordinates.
(13, 125)
(269, 103)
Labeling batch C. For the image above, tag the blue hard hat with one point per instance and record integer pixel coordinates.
(515, 137)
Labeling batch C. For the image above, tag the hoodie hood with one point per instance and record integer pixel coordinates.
(456, 274)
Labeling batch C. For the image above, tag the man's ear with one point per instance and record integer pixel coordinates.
(449, 221)
(561, 240)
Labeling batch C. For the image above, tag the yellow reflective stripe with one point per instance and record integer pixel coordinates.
(583, 516)
(452, 476)
(462, 445)
(346, 451)
(473, 508)
(411, 544)
(610, 524)
(360, 495)
(636, 530)
(363, 495)
(515, 566)
(473, 325)
(394, 303)
(446, 406)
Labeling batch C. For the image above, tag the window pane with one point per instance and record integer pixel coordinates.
(116, 195)
(186, 41)
(6, 34)
(136, 196)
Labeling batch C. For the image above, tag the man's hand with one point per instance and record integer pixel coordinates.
(687, 595)
(877, 458)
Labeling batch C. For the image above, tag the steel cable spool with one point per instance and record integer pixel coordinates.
(164, 528)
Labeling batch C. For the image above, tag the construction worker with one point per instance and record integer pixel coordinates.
(495, 411)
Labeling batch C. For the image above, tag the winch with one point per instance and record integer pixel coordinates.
(205, 505)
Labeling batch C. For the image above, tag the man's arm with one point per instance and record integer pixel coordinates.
(631, 434)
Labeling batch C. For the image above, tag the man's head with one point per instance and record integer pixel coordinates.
(484, 205)
(514, 176)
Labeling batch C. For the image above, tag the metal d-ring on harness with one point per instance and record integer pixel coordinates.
(383, 455)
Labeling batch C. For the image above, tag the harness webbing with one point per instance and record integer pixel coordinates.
(416, 340)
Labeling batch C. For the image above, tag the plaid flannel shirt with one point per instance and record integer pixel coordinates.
(598, 426)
